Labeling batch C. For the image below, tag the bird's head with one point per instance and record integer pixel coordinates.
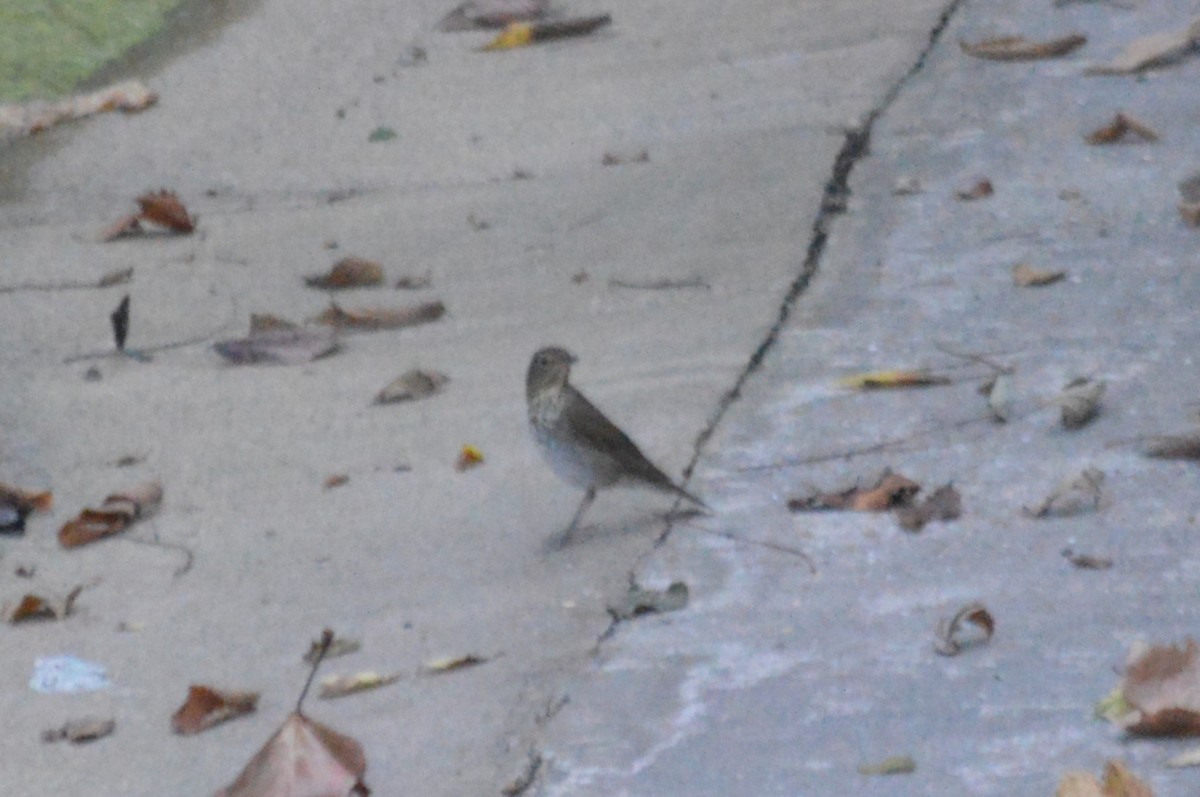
(548, 369)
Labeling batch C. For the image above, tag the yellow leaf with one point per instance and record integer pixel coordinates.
(515, 34)
(876, 380)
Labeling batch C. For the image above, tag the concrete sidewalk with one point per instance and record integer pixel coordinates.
(774, 680)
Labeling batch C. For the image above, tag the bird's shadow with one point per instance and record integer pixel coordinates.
(562, 540)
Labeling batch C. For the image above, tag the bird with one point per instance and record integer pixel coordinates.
(579, 442)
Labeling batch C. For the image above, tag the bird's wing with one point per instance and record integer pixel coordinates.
(602, 434)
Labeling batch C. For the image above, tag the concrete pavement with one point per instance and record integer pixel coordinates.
(774, 680)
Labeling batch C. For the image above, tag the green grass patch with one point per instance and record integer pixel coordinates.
(48, 46)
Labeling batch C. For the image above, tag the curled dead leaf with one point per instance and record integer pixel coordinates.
(1073, 496)
(1182, 446)
(1120, 129)
(381, 317)
(950, 631)
(1087, 562)
(40, 607)
(349, 272)
(522, 34)
(335, 686)
(206, 707)
(411, 385)
(1147, 52)
(303, 758)
(1162, 689)
(1018, 48)
(449, 664)
(88, 729)
(1080, 401)
(34, 117)
(118, 512)
(880, 380)
(336, 480)
(1026, 276)
(278, 342)
(1000, 396)
(944, 503)
(1118, 782)
(164, 209)
(980, 189)
(410, 282)
(889, 491)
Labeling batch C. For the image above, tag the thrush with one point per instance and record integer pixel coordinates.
(580, 444)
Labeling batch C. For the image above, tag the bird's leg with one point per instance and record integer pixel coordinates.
(588, 497)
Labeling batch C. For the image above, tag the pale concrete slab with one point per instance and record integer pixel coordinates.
(741, 111)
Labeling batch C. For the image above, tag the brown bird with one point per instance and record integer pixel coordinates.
(580, 444)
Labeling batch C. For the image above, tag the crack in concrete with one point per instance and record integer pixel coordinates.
(855, 147)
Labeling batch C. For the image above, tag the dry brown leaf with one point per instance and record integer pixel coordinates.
(949, 631)
(980, 189)
(1080, 401)
(1162, 688)
(34, 117)
(452, 663)
(468, 457)
(303, 759)
(521, 34)
(1118, 782)
(410, 282)
(88, 729)
(206, 707)
(1183, 446)
(881, 380)
(1018, 48)
(411, 385)
(1087, 562)
(336, 480)
(1026, 276)
(164, 209)
(1156, 49)
(117, 513)
(39, 607)
(279, 342)
(335, 686)
(891, 490)
(381, 317)
(1118, 130)
(1000, 397)
(1073, 496)
(1078, 784)
(349, 272)
(944, 503)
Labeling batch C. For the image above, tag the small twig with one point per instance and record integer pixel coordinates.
(774, 546)
(318, 656)
(522, 782)
(189, 557)
(895, 444)
(107, 281)
(660, 285)
(981, 359)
